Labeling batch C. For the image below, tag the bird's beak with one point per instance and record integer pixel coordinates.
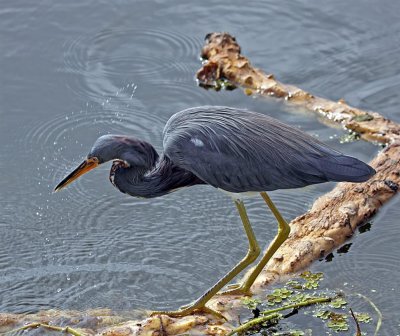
(83, 168)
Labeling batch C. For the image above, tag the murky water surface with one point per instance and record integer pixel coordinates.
(71, 71)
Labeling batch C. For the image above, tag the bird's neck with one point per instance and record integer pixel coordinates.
(161, 178)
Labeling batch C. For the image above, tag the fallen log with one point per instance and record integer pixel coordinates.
(331, 220)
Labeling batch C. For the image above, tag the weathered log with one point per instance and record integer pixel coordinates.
(331, 220)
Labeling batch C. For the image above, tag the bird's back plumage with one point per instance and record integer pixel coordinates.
(239, 151)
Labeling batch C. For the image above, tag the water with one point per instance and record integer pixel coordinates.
(71, 71)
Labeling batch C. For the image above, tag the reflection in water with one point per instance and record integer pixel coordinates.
(71, 72)
(365, 227)
(344, 249)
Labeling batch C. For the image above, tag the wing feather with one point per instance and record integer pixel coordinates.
(239, 151)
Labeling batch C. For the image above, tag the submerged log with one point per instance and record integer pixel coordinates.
(332, 219)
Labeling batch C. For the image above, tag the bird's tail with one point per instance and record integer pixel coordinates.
(342, 168)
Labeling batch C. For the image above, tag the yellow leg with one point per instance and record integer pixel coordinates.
(253, 252)
(283, 233)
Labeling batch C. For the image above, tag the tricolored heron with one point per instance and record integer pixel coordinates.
(234, 150)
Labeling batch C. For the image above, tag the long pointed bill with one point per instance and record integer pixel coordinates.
(83, 168)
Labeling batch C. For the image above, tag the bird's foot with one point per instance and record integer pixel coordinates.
(236, 289)
(189, 310)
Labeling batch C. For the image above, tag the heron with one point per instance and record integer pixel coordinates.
(234, 150)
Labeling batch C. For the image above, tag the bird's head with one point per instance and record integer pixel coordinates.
(127, 151)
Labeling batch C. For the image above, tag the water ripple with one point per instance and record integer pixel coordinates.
(111, 57)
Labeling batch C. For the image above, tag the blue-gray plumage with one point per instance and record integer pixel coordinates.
(231, 149)
(239, 151)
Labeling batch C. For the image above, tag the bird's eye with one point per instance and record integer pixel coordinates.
(93, 159)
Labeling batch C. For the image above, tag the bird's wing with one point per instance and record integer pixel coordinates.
(238, 151)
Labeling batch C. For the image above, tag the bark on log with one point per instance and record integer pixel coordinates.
(331, 220)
